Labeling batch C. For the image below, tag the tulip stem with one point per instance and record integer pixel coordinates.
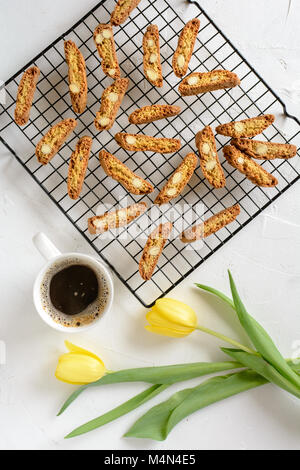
(227, 340)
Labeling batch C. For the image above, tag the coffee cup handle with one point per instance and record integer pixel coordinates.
(45, 246)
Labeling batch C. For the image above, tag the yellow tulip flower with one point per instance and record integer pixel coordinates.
(79, 366)
(170, 317)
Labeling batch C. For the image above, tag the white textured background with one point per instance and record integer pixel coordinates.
(264, 257)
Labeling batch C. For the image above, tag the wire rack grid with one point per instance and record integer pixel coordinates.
(122, 250)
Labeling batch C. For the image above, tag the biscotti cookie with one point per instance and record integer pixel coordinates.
(50, 144)
(247, 127)
(122, 11)
(77, 77)
(114, 168)
(197, 82)
(185, 48)
(265, 150)
(110, 103)
(178, 180)
(153, 250)
(25, 95)
(78, 166)
(211, 225)
(104, 40)
(153, 113)
(209, 160)
(145, 143)
(152, 60)
(115, 219)
(254, 172)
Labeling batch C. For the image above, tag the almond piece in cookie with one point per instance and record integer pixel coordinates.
(78, 166)
(211, 225)
(152, 60)
(185, 48)
(178, 180)
(116, 219)
(247, 127)
(153, 250)
(77, 77)
(114, 168)
(197, 82)
(110, 103)
(50, 144)
(25, 96)
(145, 143)
(252, 170)
(265, 150)
(153, 113)
(122, 11)
(209, 160)
(105, 43)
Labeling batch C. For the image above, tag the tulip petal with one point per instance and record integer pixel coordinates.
(157, 321)
(79, 369)
(78, 350)
(177, 312)
(167, 331)
(172, 315)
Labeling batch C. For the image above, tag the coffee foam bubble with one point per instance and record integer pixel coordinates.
(91, 313)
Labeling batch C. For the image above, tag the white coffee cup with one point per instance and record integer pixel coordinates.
(55, 259)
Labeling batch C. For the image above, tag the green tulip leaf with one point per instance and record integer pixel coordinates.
(217, 293)
(121, 410)
(264, 369)
(158, 422)
(153, 424)
(261, 340)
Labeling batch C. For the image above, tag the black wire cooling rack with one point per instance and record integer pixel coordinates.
(213, 50)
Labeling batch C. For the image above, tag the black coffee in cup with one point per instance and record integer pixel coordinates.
(73, 293)
(73, 289)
